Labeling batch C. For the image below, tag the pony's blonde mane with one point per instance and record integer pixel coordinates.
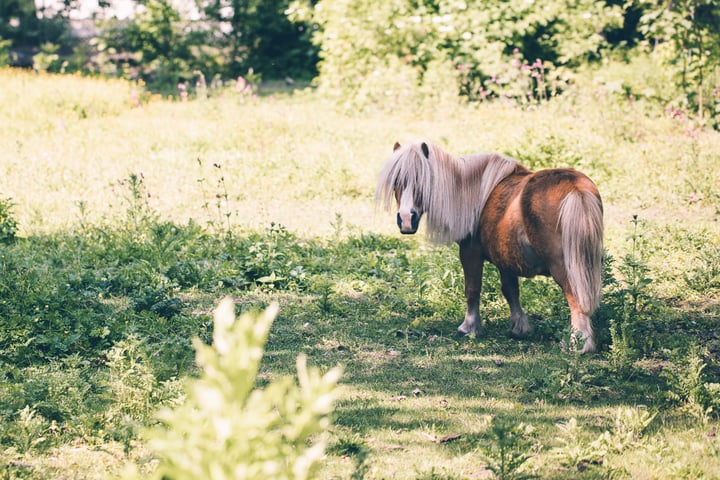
(452, 191)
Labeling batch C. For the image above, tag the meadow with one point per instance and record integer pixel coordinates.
(126, 217)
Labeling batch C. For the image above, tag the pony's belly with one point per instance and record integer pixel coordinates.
(522, 260)
(532, 264)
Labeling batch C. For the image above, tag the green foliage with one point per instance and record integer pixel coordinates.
(705, 272)
(230, 39)
(510, 449)
(29, 432)
(227, 429)
(687, 386)
(574, 448)
(159, 39)
(620, 351)
(42, 403)
(577, 452)
(8, 223)
(632, 302)
(48, 59)
(692, 47)
(25, 25)
(4, 51)
(129, 382)
(481, 49)
(258, 36)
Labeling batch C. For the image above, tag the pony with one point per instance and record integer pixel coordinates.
(526, 223)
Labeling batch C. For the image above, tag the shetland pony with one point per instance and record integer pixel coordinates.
(526, 223)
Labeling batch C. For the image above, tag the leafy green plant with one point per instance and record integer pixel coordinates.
(4, 51)
(574, 449)
(635, 272)
(135, 197)
(577, 452)
(48, 60)
(620, 351)
(226, 428)
(692, 47)
(8, 223)
(705, 273)
(687, 386)
(510, 449)
(632, 302)
(630, 426)
(573, 378)
(271, 260)
(29, 431)
(517, 81)
(129, 382)
(324, 290)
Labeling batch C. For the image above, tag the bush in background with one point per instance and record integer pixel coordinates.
(401, 46)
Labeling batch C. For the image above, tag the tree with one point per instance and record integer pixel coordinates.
(256, 34)
(155, 45)
(27, 28)
(687, 32)
(18, 20)
(375, 48)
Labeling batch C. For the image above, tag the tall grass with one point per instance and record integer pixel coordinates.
(130, 220)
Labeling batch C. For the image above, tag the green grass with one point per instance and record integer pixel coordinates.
(132, 222)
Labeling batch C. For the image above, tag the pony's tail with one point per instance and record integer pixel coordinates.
(581, 223)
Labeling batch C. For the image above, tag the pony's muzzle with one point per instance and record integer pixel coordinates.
(411, 226)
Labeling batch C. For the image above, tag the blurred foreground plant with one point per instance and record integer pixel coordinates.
(227, 429)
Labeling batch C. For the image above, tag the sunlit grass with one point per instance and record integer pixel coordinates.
(297, 161)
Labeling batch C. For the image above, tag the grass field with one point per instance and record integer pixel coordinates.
(136, 215)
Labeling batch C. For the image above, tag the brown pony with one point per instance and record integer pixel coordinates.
(526, 223)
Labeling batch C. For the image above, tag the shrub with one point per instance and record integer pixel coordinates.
(686, 34)
(400, 48)
(227, 429)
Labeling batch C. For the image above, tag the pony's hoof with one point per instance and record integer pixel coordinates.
(589, 347)
(463, 333)
(521, 334)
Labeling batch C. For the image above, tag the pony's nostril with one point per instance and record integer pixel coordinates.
(414, 218)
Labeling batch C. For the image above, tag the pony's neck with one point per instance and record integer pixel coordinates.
(461, 189)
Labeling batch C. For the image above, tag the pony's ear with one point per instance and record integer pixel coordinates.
(396, 146)
(425, 150)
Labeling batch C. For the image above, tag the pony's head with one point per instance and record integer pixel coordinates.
(407, 177)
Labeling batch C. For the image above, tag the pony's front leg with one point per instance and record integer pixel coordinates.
(472, 263)
(519, 323)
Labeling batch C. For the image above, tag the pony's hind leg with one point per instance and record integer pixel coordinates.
(579, 319)
(472, 262)
(581, 322)
(519, 323)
